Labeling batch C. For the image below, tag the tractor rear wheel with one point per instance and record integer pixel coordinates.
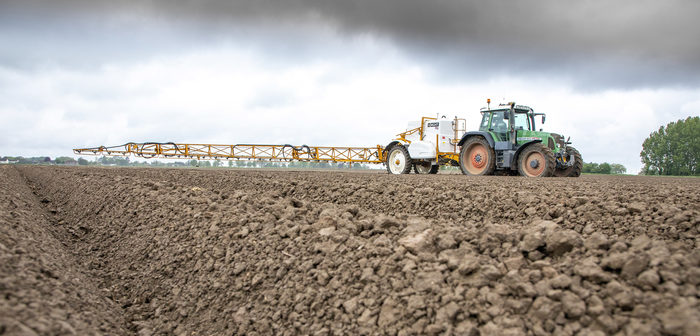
(536, 160)
(425, 168)
(398, 161)
(477, 157)
(573, 170)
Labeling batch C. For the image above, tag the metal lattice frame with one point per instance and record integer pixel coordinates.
(169, 150)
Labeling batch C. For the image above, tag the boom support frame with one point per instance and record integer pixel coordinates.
(171, 150)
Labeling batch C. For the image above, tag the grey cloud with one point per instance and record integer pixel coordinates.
(271, 98)
(591, 44)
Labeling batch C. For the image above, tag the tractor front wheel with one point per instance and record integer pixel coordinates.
(425, 168)
(537, 160)
(398, 161)
(477, 157)
(573, 170)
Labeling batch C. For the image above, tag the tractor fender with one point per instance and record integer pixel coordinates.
(514, 160)
(388, 147)
(468, 135)
(392, 144)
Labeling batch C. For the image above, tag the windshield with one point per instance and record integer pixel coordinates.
(484, 122)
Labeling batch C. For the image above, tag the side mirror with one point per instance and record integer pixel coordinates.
(506, 116)
(543, 118)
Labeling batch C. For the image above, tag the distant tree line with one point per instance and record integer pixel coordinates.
(38, 160)
(603, 168)
(674, 149)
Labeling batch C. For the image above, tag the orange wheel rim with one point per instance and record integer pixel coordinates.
(534, 164)
(477, 158)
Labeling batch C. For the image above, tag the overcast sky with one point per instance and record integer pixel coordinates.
(87, 73)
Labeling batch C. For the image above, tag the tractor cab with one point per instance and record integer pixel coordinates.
(517, 126)
(497, 121)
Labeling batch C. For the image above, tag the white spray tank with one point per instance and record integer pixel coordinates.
(438, 135)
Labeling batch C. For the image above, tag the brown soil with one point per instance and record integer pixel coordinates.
(233, 252)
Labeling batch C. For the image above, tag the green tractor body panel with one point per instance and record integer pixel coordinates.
(526, 136)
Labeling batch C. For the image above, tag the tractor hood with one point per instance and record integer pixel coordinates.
(554, 141)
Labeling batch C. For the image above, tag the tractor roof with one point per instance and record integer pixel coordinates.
(501, 107)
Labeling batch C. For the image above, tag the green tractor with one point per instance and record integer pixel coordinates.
(507, 142)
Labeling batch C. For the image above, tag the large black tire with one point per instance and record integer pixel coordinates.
(477, 157)
(398, 161)
(536, 160)
(425, 168)
(573, 170)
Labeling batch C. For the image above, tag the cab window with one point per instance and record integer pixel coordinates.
(484, 122)
(499, 126)
(522, 121)
(498, 122)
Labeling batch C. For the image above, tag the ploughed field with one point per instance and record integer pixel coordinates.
(242, 252)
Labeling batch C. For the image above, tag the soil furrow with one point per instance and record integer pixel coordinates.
(44, 288)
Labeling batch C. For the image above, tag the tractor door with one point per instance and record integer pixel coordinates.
(499, 127)
(521, 123)
(523, 128)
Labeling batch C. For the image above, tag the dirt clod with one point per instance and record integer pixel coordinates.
(562, 241)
